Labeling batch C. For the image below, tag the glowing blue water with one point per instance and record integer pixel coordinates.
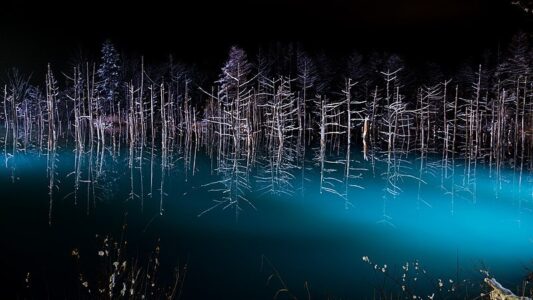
(452, 222)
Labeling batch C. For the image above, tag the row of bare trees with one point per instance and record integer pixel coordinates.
(484, 115)
(275, 118)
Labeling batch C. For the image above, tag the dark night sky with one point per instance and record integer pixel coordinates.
(32, 34)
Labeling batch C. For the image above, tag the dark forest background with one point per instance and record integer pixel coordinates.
(445, 32)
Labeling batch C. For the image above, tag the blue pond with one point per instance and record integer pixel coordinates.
(442, 224)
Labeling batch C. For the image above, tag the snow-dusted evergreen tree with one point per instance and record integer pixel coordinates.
(235, 72)
(108, 76)
(236, 97)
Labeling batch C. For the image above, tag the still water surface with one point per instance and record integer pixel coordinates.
(452, 221)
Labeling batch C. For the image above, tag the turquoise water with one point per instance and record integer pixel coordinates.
(449, 221)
